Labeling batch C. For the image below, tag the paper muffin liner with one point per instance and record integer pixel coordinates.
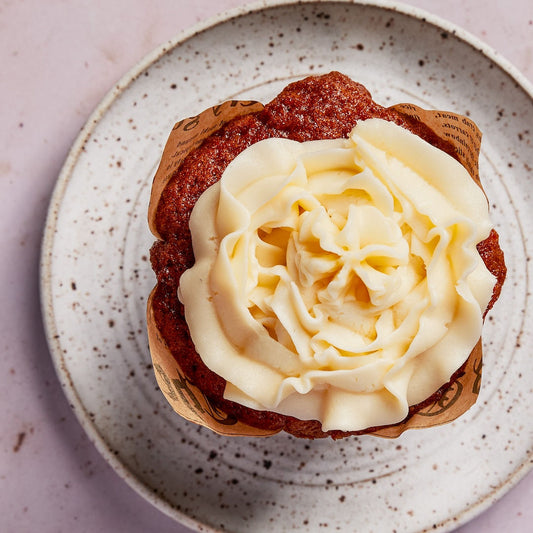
(187, 399)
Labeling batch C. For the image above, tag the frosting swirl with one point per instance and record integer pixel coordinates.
(338, 280)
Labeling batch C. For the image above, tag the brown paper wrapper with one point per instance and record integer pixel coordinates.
(187, 399)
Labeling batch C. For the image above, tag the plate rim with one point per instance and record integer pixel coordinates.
(67, 170)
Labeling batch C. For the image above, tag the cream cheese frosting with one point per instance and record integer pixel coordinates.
(338, 280)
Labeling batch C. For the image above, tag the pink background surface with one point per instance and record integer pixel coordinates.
(58, 58)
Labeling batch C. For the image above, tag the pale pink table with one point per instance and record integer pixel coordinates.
(57, 60)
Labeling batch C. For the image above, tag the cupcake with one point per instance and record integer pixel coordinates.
(324, 265)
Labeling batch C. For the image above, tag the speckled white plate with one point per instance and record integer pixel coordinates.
(96, 277)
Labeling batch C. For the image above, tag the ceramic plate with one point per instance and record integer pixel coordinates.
(96, 277)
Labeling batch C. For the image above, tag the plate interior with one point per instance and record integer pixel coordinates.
(97, 275)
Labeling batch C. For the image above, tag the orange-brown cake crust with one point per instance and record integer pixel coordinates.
(321, 107)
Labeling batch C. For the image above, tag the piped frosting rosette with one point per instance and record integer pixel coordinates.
(338, 280)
